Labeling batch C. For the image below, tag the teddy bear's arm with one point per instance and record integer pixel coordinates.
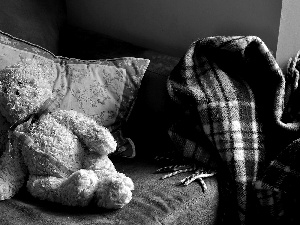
(96, 137)
(12, 173)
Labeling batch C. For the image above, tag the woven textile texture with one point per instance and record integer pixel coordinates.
(278, 188)
(104, 90)
(232, 93)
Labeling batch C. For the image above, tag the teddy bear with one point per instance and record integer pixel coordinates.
(60, 155)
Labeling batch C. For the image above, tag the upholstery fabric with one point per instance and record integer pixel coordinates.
(219, 101)
(151, 115)
(153, 111)
(35, 21)
(105, 90)
(235, 96)
(154, 202)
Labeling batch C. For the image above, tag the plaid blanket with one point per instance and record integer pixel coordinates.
(233, 97)
(278, 189)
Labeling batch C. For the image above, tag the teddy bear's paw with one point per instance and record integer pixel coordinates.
(6, 191)
(127, 181)
(44, 188)
(114, 192)
(79, 188)
(101, 140)
(12, 175)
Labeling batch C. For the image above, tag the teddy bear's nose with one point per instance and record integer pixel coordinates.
(17, 92)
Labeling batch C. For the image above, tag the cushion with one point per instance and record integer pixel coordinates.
(153, 111)
(36, 21)
(102, 89)
(154, 201)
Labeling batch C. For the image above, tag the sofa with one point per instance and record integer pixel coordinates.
(43, 24)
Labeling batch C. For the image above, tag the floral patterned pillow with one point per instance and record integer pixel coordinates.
(102, 89)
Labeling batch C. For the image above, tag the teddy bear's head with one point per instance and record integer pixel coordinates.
(24, 87)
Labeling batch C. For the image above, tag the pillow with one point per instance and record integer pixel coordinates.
(104, 89)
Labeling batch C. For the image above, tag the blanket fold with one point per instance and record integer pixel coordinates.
(234, 97)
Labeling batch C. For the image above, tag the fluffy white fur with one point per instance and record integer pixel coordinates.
(65, 153)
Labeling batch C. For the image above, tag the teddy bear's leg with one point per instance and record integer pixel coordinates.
(114, 189)
(12, 174)
(97, 138)
(76, 190)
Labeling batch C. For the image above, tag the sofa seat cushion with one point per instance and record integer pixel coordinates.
(154, 201)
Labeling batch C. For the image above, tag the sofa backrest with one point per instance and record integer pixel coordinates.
(36, 21)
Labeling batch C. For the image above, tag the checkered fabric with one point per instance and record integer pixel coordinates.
(279, 186)
(232, 93)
